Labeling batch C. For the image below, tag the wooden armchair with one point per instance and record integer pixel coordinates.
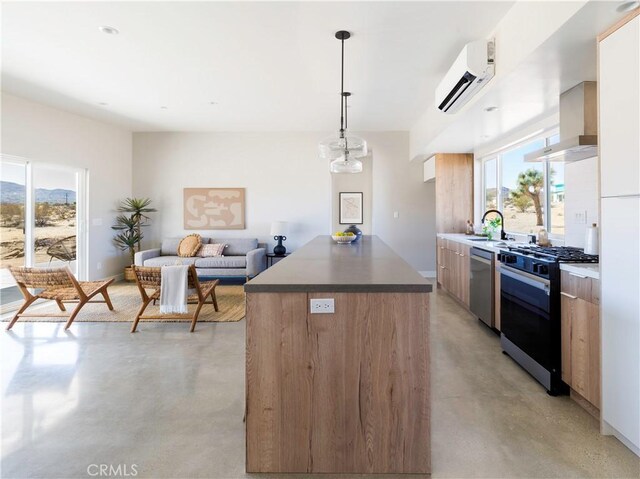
(59, 285)
(63, 250)
(151, 278)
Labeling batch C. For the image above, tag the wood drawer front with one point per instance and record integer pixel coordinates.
(581, 287)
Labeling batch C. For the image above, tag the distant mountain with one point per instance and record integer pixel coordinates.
(11, 192)
(14, 193)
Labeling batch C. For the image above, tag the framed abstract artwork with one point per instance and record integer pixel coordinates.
(214, 208)
(351, 208)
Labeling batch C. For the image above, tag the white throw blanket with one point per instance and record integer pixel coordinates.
(173, 290)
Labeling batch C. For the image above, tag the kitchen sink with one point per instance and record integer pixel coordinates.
(490, 242)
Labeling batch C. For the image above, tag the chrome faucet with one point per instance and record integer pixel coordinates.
(503, 235)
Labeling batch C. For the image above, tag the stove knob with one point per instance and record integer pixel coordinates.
(543, 269)
(536, 267)
(511, 258)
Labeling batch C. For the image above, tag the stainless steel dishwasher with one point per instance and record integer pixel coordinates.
(481, 285)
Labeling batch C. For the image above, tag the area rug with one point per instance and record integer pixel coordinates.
(126, 302)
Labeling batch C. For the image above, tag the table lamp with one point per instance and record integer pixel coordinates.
(279, 231)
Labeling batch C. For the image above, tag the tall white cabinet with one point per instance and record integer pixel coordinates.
(619, 138)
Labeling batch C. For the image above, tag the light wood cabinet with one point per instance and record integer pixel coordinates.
(454, 191)
(464, 273)
(453, 268)
(580, 323)
(440, 252)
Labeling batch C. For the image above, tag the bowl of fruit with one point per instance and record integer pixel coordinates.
(343, 238)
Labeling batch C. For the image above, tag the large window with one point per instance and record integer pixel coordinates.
(39, 215)
(529, 194)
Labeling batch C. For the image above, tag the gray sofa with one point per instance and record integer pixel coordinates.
(242, 257)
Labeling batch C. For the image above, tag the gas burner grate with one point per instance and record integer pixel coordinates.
(562, 254)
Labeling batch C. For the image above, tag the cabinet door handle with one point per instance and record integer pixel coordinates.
(568, 295)
(577, 275)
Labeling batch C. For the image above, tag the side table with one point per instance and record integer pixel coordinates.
(270, 257)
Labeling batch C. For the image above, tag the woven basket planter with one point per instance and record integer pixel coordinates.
(129, 275)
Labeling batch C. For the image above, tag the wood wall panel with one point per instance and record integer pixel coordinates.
(338, 393)
(273, 390)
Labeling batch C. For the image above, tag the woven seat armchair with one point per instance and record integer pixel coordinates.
(63, 250)
(150, 278)
(59, 285)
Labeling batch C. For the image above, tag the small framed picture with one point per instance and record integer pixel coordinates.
(351, 208)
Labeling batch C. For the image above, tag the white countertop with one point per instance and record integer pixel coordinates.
(493, 246)
(588, 270)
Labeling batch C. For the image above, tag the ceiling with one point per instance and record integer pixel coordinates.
(267, 66)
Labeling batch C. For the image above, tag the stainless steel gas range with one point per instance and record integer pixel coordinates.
(530, 309)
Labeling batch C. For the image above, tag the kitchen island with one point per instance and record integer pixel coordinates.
(342, 387)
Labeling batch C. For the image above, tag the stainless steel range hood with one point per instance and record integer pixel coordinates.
(578, 127)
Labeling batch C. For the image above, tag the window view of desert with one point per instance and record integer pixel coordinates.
(523, 189)
(54, 228)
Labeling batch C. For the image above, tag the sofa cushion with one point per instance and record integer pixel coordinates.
(168, 261)
(169, 246)
(222, 262)
(237, 246)
(189, 246)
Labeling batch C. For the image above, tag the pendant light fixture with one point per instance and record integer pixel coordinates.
(344, 149)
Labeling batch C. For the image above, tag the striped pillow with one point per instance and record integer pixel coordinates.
(209, 250)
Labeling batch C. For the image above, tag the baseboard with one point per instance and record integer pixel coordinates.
(116, 277)
(428, 274)
(608, 430)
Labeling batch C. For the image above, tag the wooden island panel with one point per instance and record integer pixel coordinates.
(338, 393)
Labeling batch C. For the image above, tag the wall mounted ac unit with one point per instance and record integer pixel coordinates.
(473, 68)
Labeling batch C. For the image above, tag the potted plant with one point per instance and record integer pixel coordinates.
(490, 228)
(129, 227)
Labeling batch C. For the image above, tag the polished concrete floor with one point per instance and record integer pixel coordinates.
(171, 404)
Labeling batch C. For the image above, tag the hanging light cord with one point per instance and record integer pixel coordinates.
(342, 91)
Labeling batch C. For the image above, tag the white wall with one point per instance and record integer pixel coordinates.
(360, 182)
(581, 185)
(283, 177)
(399, 187)
(43, 134)
(284, 180)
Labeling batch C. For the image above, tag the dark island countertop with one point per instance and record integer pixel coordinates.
(322, 265)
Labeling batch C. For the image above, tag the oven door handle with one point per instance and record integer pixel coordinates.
(525, 278)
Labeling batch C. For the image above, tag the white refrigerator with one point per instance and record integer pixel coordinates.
(619, 138)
